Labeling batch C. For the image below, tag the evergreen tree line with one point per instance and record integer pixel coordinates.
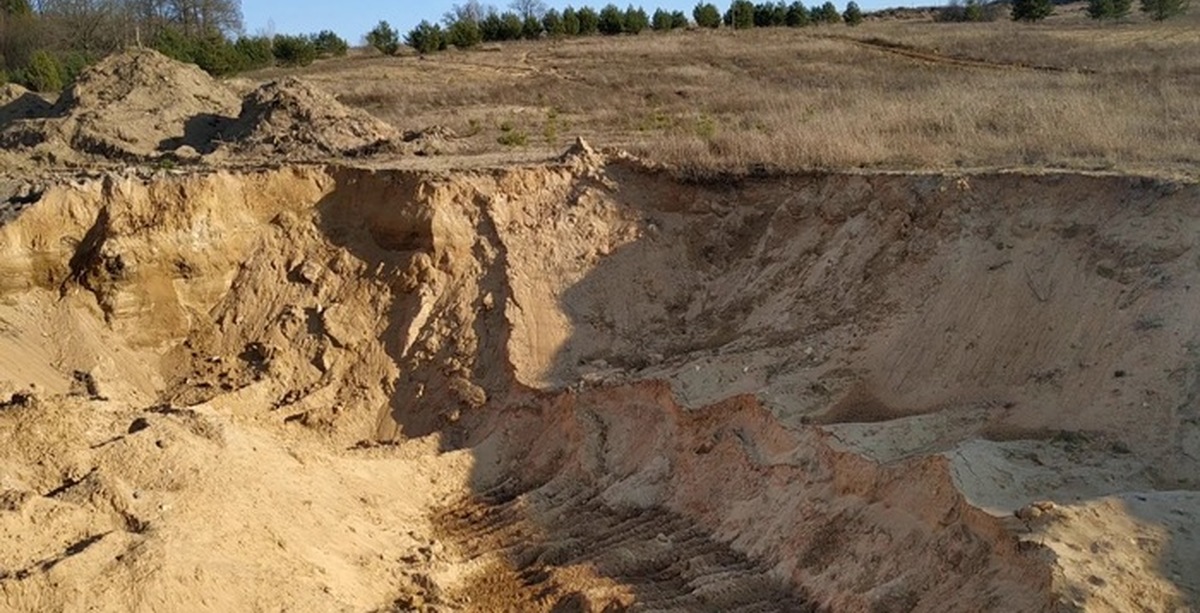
(1158, 10)
(472, 24)
(971, 11)
(44, 44)
(1110, 10)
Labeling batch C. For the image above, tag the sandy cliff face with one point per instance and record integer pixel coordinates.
(588, 384)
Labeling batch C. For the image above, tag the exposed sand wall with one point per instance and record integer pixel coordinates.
(827, 391)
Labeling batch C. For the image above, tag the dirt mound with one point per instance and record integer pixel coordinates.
(588, 385)
(294, 119)
(140, 104)
(16, 102)
(133, 104)
(434, 140)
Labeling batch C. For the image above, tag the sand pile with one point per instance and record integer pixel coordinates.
(142, 105)
(134, 104)
(588, 385)
(16, 102)
(294, 119)
(434, 140)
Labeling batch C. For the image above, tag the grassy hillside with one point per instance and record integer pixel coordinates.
(1068, 92)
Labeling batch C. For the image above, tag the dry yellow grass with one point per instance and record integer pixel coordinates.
(891, 94)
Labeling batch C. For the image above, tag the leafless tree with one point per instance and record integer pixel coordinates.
(472, 10)
(18, 33)
(197, 17)
(528, 8)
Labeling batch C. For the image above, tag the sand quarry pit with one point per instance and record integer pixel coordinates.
(591, 385)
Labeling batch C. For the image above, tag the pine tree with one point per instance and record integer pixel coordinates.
(384, 38)
(636, 20)
(973, 11)
(798, 15)
(740, 15)
(1160, 10)
(612, 20)
(1031, 10)
(853, 15)
(531, 27)
(707, 15)
(589, 21)
(552, 22)
(426, 38)
(661, 21)
(829, 13)
(570, 20)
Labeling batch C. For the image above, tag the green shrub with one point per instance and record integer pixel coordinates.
(214, 53)
(706, 127)
(384, 38)
(570, 20)
(740, 15)
(1031, 10)
(426, 38)
(830, 14)
(44, 72)
(329, 44)
(255, 52)
(490, 27)
(853, 15)
(665, 20)
(661, 21)
(217, 56)
(973, 10)
(707, 15)
(797, 15)
(550, 128)
(73, 63)
(612, 20)
(510, 136)
(290, 50)
(173, 44)
(552, 23)
(589, 21)
(512, 26)
(1161, 10)
(768, 15)
(464, 34)
(636, 20)
(503, 26)
(531, 28)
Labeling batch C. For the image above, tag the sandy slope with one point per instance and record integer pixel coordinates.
(610, 389)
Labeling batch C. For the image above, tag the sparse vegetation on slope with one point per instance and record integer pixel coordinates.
(885, 94)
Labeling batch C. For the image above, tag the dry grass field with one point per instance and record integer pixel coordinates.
(1067, 93)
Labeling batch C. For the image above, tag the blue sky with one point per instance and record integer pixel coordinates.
(352, 18)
